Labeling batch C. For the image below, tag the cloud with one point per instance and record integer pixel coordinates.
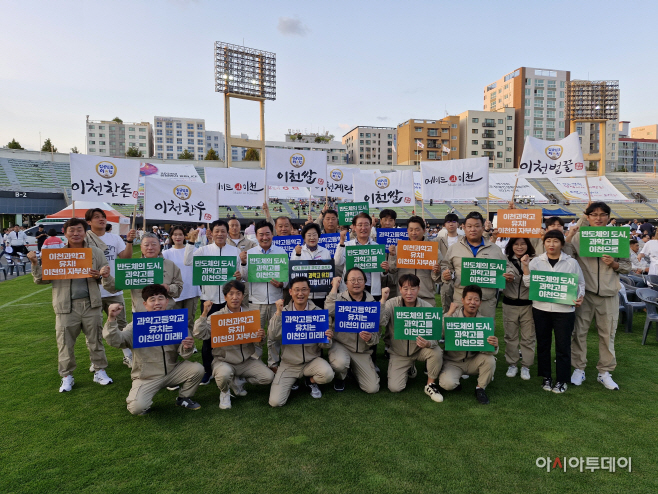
(382, 118)
(289, 26)
(345, 126)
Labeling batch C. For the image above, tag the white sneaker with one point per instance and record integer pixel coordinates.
(512, 371)
(466, 376)
(91, 368)
(525, 373)
(224, 400)
(102, 378)
(432, 390)
(315, 391)
(577, 377)
(128, 361)
(606, 380)
(237, 386)
(67, 384)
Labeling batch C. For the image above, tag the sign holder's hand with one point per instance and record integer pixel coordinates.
(188, 343)
(492, 340)
(579, 301)
(32, 256)
(207, 305)
(385, 293)
(365, 336)
(447, 275)
(113, 312)
(279, 306)
(105, 271)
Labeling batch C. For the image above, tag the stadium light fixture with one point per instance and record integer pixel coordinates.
(245, 71)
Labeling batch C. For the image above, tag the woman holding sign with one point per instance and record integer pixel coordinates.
(550, 311)
(311, 251)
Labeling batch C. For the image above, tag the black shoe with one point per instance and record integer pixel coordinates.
(387, 355)
(295, 387)
(206, 379)
(339, 385)
(187, 403)
(481, 396)
(547, 384)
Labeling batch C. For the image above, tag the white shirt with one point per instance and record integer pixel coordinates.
(210, 292)
(651, 249)
(374, 280)
(566, 264)
(452, 240)
(177, 256)
(17, 238)
(262, 293)
(115, 245)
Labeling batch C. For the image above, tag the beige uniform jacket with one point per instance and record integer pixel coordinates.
(351, 341)
(428, 279)
(458, 356)
(172, 277)
(403, 348)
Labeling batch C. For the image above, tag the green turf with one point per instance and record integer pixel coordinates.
(86, 441)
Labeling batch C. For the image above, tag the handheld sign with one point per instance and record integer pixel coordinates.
(417, 255)
(556, 288)
(598, 241)
(367, 257)
(265, 267)
(319, 273)
(391, 236)
(349, 210)
(330, 241)
(486, 273)
(519, 223)
(354, 317)
(411, 322)
(469, 334)
(65, 264)
(236, 328)
(164, 327)
(288, 243)
(213, 270)
(98, 179)
(304, 327)
(135, 274)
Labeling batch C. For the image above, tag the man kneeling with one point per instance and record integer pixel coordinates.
(457, 363)
(297, 360)
(233, 365)
(155, 367)
(404, 353)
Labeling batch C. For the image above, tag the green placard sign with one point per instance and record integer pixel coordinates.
(367, 257)
(556, 288)
(469, 334)
(486, 273)
(213, 270)
(598, 241)
(135, 274)
(411, 322)
(266, 267)
(349, 210)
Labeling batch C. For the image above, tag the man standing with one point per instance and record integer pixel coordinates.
(78, 307)
(328, 219)
(601, 302)
(41, 237)
(236, 239)
(17, 241)
(446, 238)
(114, 248)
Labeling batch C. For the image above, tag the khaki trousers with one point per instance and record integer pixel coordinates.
(487, 307)
(482, 365)
(273, 347)
(398, 367)
(518, 319)
(190, 304)
(186, 374)
(606, 312)
(429, 300)
(341, 359)
(67, 329)
(253, 370)
(447, 290)
(116, 299)
(287, 374)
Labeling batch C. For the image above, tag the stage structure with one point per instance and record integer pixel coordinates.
(244, 73)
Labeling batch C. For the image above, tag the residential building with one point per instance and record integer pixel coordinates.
(371, 146)
(428, 140)
(637, 155)
(237, 153)
(646, 132)
(215, 140)
(336, 151)
(111, 138)
(538, 97)
(488, 133)
(173, 135)
(624, 129)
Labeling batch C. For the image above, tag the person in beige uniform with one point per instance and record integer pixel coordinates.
(472, 246)
(352, 350)
(233, 365)
(78, 307)
(298, 360)
(405, 353)
(387, 219)
(155, 367)
(235, 238)
(457, 363)
(601, 302)
(172, 279)
(447, 237)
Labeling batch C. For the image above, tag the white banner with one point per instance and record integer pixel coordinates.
(295, 167)
(100, 179)
(501, 187)
(238, 186)
(418, 186)
(339, 182)
(455, 179)
(552, 158)
(175, 201)
(575, 190)
(385, 189)
(186, 173)
(284, 192)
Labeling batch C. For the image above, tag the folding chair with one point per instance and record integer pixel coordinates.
(650, 297)
(628, 308)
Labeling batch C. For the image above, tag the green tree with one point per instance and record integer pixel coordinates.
(74, 150)
(186, 155)
(48, 147)
(592, 167)
(14, 145)
(117, 120)
(252, 155)
(133, 152)
(212, 155)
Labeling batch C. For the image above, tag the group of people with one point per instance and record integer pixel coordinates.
(528, 325)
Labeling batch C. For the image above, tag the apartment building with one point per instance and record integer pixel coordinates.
(173, 135)
(488, 133)
(367, 145)
(428, 140)
(113, 138)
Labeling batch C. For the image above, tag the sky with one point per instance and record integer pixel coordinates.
(339, 64)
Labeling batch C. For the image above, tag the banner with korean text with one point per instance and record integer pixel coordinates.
(545, 159)
(295, 167)
(418, 186)
(319, 272)
(181, 173)
(486, 273)
(575, 189)
(366, 257)
(285, 192)
(501, 187)
(469, 334)
(391, 236)
(135, 274)
(455, 179)
(354, 317)
(238, 186)
(213, 270)
(340, 182)
(304, 327)
(65, 264)
(519, 223)
(100, 179)
(288, 243)
(553, 287)
(166, 327)
(385, 189)
(599, 241)
(411, 322)
(349, 210)
(236, 328)
(330, 241)
(265, 267)
(417, 255)
(170, 200)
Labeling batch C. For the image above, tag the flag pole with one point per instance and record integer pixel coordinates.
(134, 216)
(326, 191)
(73, 207)
(589, 195)
(515, 184)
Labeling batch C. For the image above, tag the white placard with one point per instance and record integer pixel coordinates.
(418, 186)
(547, 159)
(186, 173)
(575, 190)
(455, 179)
(238, 186)
(385, 189)
(285, 192)
(104, 179)
(295, 167)
(340, 182)
(501, 187)
(175, 201)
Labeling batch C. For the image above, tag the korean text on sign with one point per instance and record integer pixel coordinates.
(213, 270)
(330, 241)
(288, 243)
(319, 273)
(487, 273)
(349, 210)
(552, 287)
(411, 322)
(391, 236)
(354, 317)
(304, 327)
(519, 223)
(266, 267)
(167, 327)
(367, 257)
(135, 274)
(468, 334)
(98, 179)
(417, 255)
(597, 241)
(234, 329)
(65, 264)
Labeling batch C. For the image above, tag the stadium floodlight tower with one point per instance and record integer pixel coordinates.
(244, 73)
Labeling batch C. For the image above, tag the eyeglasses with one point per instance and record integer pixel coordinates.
(311, 235)
(356, 281)
(300, 290)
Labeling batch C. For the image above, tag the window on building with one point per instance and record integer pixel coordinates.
(92, 134)
(92, 142)
(562, 84)
(508, 149)
(170, 156)
(500, 143)
(474, 153)
(158, 132)
(142, 137)
(454, 138)
(190, 141)
(190, 134)
(432, 132)
(500, 132)
(431, 155)
(528, 82)
(475, 120)
(527, 91)
(416, 129)
(199, 141)
(510, 138)
(179, 140)
(453, 126)
(539, 82)
(526, 122)
(509, 127)
(199, 134)
(474, 141)
(500, 121)
(539, 123)
(527, 102)
(561, 124)
(550, 134)
(170, 140)
(453, 148)
(474, 131)
(561, 104)
(190, 126)
(179, 125)
(101, 127)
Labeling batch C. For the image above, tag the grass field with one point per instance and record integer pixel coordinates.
(86, 441)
